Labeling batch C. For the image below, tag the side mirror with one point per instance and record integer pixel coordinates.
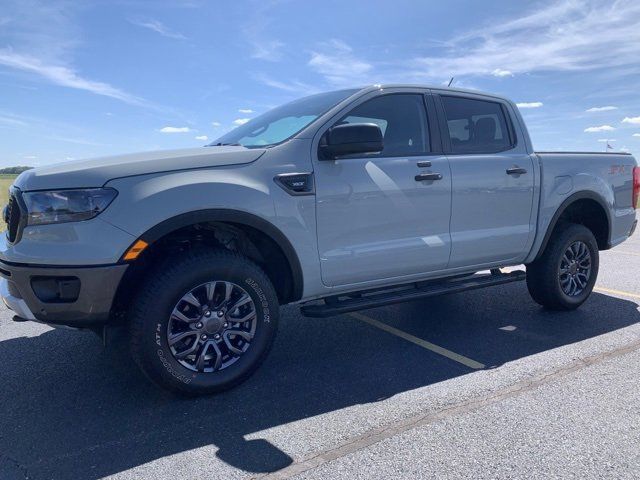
(352, 138)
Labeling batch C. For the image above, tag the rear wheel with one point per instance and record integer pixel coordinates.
(564, 276)
(203, 322)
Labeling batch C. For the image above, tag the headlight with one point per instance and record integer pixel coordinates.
(59, 206)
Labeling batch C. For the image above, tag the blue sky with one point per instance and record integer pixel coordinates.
(90, 78)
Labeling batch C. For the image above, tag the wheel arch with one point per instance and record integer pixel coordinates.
(235, 219)
(569, 209)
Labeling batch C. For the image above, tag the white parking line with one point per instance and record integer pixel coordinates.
(420, 342)
(625, 252)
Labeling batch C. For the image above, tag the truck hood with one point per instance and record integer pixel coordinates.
(98, 171)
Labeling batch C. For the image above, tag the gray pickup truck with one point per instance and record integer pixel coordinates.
(339, 201)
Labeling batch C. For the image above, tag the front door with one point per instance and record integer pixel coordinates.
(375, 219)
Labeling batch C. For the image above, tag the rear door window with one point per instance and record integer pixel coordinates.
(476, 126)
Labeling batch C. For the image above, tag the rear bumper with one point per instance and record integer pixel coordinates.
(73, 296)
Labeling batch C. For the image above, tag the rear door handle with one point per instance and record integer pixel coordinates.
(516, 171)
(428, 176)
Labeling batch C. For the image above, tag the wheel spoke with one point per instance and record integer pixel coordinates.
(181, 336)
(231, 347)
(582, 279)
(240, 333)
(228, 291)
(249, 316)
(211, 290)
(182, 317)
(191, 299)
(583, 252)
(185, 353)
(243, 300)
(202, 357)
(574, 250)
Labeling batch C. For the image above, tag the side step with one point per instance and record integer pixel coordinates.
(378, 298)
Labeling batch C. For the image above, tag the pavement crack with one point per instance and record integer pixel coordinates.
(382, 433)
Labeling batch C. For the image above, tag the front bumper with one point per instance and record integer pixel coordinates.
(73, 296)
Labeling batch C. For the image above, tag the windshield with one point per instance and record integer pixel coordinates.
(282, 122)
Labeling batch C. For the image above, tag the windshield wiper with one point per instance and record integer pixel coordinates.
(224, 145)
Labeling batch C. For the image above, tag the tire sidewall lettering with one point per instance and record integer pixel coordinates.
(166, 361)
(264, 303)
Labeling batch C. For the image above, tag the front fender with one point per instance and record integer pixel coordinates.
(146, 201)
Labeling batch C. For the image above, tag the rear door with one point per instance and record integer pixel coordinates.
(492, 181)
(375, 219)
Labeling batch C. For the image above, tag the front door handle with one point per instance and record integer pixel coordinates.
(516, 171)
(428, 176)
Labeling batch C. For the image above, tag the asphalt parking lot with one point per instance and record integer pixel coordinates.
(483, 384)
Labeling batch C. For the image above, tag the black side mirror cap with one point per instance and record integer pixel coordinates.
(352, 138)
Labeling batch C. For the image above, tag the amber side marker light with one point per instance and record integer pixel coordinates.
(135, 250)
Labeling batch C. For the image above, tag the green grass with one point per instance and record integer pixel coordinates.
(5, 182)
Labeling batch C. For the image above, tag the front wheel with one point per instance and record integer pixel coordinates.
(203, 321)
(564, 276)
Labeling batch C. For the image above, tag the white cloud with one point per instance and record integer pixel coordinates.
(632, 120)
(608, 140)
(625, 150)
(175, 129)
(498, 72)
(241, 121)
(15, 122)
(337, 63)
(601, 128)
(64, 76)
(257, 32)
(636, 135)
(157, 27)
(30, 157)
(291, 85)
(269, 50)
(601, 109)
(529, 104)
(216, 124)
(76, 141)
(568, 35)
(202, 137)
(245, 110)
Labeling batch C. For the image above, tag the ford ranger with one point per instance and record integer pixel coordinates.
(337, 202)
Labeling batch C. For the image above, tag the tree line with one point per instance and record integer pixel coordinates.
(13, 170)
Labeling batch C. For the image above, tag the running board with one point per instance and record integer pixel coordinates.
(369, 299)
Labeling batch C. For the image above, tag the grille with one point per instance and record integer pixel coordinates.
(12, 218)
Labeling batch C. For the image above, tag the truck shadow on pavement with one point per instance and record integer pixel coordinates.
(70, 409)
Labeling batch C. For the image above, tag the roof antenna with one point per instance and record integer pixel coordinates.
(450, 81)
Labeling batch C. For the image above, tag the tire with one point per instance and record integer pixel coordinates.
(160, 310)
(552, 288)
